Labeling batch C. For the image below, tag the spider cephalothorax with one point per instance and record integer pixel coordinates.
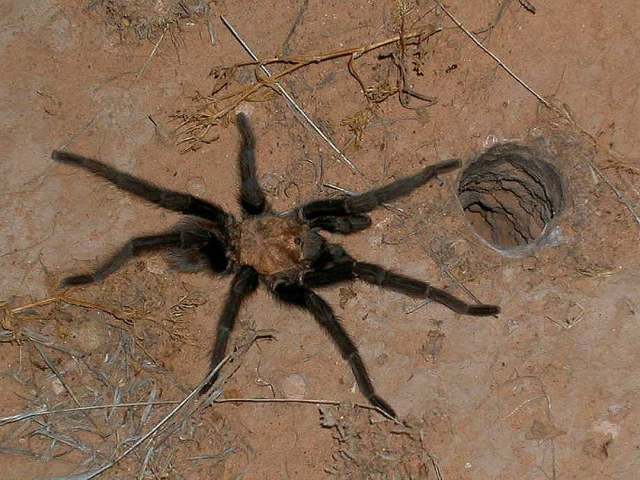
(284, 251)
(274, 245)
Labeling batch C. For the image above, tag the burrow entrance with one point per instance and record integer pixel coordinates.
(509, 195)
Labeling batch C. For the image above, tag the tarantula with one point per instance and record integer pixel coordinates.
(283, 251)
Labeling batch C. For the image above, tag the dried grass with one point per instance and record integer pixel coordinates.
(198, 123)
(139, 20)
(94, 397)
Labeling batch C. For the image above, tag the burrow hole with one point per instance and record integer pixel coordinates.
(510, 194)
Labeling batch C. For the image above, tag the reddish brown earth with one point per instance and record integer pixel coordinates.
(549, 389)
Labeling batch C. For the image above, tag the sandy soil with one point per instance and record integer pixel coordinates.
(549, 389)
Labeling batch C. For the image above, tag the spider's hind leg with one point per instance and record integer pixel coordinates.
(132, 248)
(382, 277)
(323, 313)
(189, 246)
(244, 284)
(203, 247)
(252, 197)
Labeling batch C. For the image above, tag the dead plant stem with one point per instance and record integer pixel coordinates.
(475, 40)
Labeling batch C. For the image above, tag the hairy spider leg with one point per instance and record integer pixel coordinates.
(365, 202)
(178, 240)
(252, 198)
(345, 225)
(203, 247)
(165, 198)
(244, 283)
(132, 248)
(377, 275)
(308, 300)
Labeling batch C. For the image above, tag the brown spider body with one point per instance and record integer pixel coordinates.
(276, 247)
(271, 244)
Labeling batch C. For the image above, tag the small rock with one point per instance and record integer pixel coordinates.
(196, 186)
(543, 431)
(382, 359)
(155, 265)
(90, 336)
(57, 386)
(346, 294)
(294, 386)
(598, 446)
(433, 346)
(327, 417)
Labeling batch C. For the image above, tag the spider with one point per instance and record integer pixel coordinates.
(283, 251)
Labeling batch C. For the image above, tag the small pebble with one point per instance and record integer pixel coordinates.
(155, 265)
(57, 386)
(196, 186)
(294, 386)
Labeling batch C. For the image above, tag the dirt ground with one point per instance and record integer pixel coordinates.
(549, 389)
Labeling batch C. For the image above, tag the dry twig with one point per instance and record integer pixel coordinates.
(304, 401)
(196, 126)
(290, 100)
(475, 40)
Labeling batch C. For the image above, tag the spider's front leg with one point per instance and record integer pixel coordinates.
(252, 197)
(163, 197)
(306, 299)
